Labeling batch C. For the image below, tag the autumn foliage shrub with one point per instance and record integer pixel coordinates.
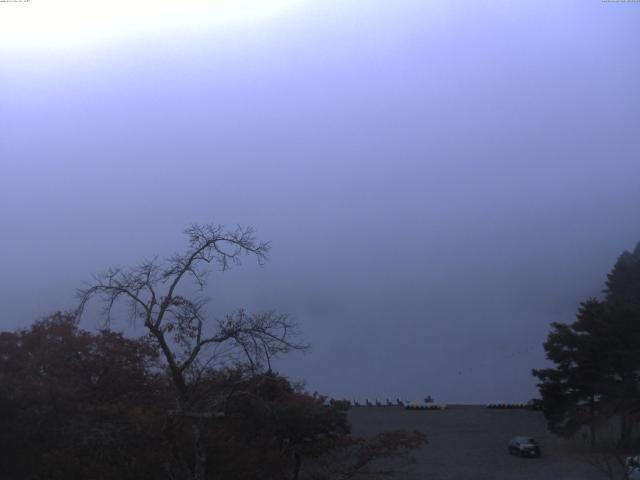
(100, 406)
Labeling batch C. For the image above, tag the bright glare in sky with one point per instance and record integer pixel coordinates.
(72, 24)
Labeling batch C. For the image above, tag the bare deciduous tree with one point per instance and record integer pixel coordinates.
(157, 294)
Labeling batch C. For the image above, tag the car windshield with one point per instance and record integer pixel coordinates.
(522, 440)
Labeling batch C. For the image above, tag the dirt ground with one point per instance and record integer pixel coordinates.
(470, 443)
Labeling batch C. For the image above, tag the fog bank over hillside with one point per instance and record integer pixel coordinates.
(438, 182)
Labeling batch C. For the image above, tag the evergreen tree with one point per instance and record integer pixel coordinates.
(596, 372)
(623, 283)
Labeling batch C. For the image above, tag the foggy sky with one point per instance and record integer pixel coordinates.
(439, 180)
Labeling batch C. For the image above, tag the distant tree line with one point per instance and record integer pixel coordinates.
(192, 399)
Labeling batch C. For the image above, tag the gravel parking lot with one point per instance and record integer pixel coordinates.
(470, 442)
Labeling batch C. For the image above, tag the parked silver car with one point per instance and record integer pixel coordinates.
(524, 447)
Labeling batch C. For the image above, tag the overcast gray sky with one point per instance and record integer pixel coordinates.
(439, 180)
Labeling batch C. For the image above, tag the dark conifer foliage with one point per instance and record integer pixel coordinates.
(623, 283)
(596, 358)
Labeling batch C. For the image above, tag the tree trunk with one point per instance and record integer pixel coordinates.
(298, 464)
(592, 427)
(199, 453)
(625, 431)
